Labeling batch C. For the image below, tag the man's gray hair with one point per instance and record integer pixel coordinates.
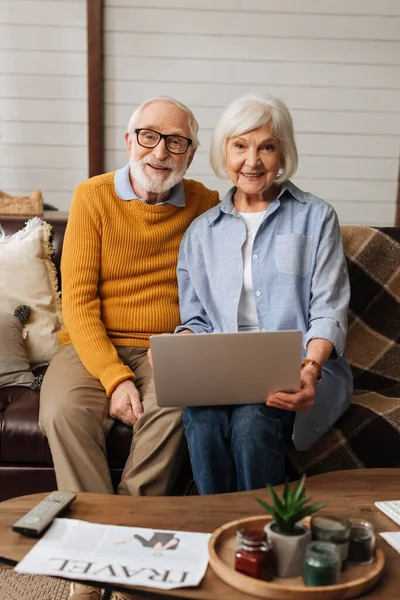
(250, 112)
(193, 124)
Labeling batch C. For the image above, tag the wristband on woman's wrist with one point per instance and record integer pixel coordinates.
(314, 363)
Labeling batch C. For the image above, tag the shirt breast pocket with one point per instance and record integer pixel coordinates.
(293, 253)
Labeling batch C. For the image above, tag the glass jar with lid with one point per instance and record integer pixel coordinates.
(334, 529)
(321, 564)
(362, 542)
(255, 556)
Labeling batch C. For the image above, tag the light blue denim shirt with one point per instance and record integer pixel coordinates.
(300, 278)
(299, 273)
(124, 189)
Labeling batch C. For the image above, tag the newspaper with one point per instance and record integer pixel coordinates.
(392, 538)
(128, 556)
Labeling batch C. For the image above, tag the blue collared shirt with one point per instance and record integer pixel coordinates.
(300, 281)
(299, 272)
(124, 190)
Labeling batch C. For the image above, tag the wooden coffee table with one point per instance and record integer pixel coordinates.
(350, 493)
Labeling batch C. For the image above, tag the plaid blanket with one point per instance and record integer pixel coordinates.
(368, 434)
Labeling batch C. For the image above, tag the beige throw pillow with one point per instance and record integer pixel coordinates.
(28, 276)
(14, 365)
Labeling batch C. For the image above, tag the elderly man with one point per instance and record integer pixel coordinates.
(119, 287)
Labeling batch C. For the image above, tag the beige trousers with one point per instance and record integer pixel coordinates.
(74, 415)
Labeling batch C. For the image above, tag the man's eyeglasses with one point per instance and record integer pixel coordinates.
(176, 144)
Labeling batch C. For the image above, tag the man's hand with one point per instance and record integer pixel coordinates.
(297, 401)
(125, 403)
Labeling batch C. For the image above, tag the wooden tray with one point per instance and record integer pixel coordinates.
(222, 545)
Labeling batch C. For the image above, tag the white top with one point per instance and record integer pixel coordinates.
(247, 312)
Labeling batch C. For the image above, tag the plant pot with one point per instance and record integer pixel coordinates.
(289, 549)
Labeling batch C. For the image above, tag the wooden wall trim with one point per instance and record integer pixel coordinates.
(94, 9)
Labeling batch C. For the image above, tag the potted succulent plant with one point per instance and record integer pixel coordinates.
(289, 537)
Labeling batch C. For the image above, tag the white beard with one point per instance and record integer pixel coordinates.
(155, 183)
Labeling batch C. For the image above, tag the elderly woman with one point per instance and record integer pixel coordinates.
(269, 257)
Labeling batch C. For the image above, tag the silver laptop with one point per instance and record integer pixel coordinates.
(224, 368)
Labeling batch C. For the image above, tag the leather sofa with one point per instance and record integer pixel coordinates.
(367, 435)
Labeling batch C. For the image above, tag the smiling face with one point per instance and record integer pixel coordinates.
(253, 161)
(156, 170)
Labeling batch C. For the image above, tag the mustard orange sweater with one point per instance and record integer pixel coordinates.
(118, 272)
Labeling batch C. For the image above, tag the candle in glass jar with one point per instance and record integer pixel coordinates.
(321, 564)
(255, 556)
(330, 528)
(362, 542)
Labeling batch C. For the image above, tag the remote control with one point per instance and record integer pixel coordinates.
(41, 516)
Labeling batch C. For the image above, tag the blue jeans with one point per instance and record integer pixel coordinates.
(237, 448)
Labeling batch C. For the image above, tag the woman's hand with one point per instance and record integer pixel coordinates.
(297, 401)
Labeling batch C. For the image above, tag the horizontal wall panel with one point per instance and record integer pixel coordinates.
(25, 37)
(43, 63)
(368, 169)
(299, 74)
(53, 179)
(215, 94)
(254, 24)
(308, 143)
(48, 13)
(352, 213)
(310, 167)
(48, 134)
(346, 122)
(42, 111)
(114, 159)
(331, 7)
(349, 190)
(45, 157)
(347, 168)
(350, 145)
(46, 86)
(304, 120)
(253, 49)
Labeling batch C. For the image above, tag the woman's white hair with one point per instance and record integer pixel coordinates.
(250, 112)
(193, 124)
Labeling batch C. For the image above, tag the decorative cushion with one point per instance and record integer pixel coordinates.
(28, 276)
(14, 364)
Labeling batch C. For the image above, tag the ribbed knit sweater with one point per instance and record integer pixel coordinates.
(118, 271)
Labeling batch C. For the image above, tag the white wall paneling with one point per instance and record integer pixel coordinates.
(34, 110)
(335, 63)
(328, 7)
(197, 94)
(56, 179)
(246, 23)
(43, 98)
